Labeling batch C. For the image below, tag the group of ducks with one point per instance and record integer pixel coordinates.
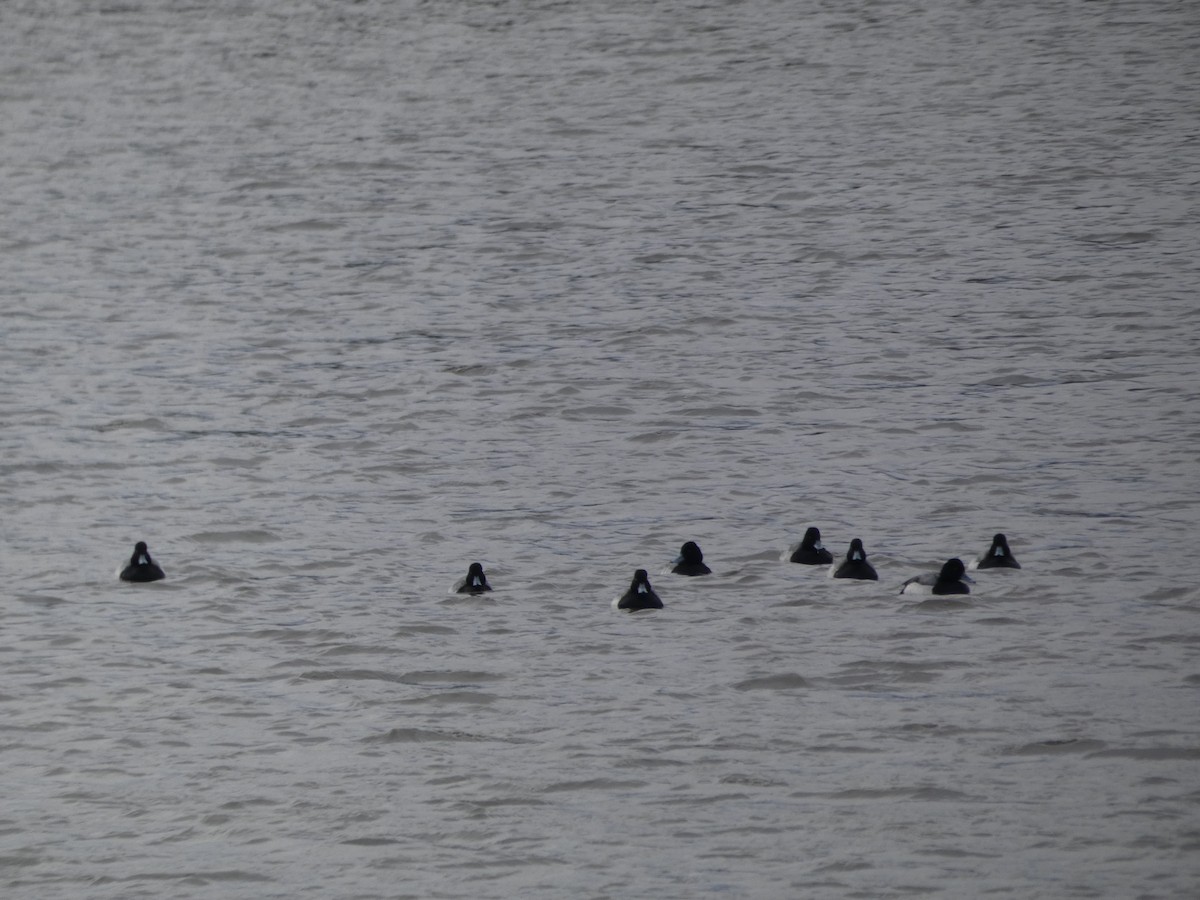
(952, 579)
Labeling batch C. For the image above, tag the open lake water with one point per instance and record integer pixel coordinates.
(327, 300)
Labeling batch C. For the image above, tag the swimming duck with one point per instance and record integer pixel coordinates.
(810, 551)
(640, 595)
(855, 564)
(951, 579)
(475, 582)
(998, 556)
(141, 567)
(690, 561)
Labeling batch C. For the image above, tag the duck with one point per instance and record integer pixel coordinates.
(952, 579)
(474, 582)
(810, 551)
(141, 567)
(855, 564)
(640, 595)
(690, 561)
(998, 556)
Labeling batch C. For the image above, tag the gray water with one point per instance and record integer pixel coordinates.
(327, 300)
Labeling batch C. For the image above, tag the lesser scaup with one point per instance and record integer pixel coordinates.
(690, 561)
(998, 556)
(855, 564)
(640, 595)
(951, 579)
(475, 582)
(141, 567)
(810, 551)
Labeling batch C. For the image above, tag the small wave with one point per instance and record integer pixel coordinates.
(925, 792)
(592, 784)
(249, 536)
(150, 423)
(1150, 753)
(788, 681)
(470, 698)
(425, 735)
(304, 225)
(941, 604)
(354, 675)
(408, 630)
(1055, 746)
(751, 780)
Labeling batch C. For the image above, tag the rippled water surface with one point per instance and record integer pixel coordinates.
(327, 300)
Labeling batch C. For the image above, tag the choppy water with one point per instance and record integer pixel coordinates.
(327, 300)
